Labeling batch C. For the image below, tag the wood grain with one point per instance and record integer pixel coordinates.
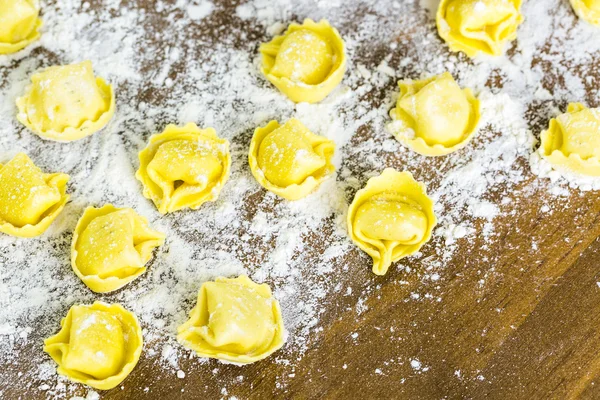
(506, 321)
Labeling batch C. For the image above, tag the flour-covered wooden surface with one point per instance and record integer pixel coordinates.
(502, 302)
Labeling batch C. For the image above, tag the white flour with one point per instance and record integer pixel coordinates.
(164, 74)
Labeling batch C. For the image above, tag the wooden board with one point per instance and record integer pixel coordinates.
(506, 320)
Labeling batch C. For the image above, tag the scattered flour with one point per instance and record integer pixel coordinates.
(300, 248)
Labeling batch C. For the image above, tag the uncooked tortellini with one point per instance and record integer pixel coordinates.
(391, 218)
(474, 26)
(30, 200)
(434, 116)
(588, 10)
(235, 320)
(289, 160)
(19, 24)
(572, 142)
(184, 167)
(66, 103)
(307, 62)
(111, 247)
(98, 345)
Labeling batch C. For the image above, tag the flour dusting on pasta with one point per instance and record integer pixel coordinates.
(166, 68)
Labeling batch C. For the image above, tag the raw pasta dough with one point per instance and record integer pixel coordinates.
(30, 200)
(474, 26)
(111, 247)
(434, 116)
(588, 10)
(289, 160)
(391, 218)
(235, 320)
(305, 63)
(184, 167)
(19, 24)
(66, 103)
(572, 141)
(98, 345)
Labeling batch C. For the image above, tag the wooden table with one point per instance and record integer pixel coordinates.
(506, 320)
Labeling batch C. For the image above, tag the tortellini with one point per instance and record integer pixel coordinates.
(184, 167)
(98, 345)
(572, 141)
(434, 116)
(30, 200)
(19, 24)
(474, 26)
(111, 247)
(305, 63)
(391, 218)
(588, 10)
(235, 320)
(289, 160)
(66, 103)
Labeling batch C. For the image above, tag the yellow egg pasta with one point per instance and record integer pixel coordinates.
(111, 247)
(391, 218)
(184, 167)
(572, 141)
(305, 63)
(19, 24)
(588, 10)
(98, 345)
(478, 26)
(434, 116)
(235, 320)
(66, 103)
(30, 200)
(289, 160)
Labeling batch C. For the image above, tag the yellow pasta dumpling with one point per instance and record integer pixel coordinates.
(588, 10)
(66, 103)
(478, 26)
(19, 24)
(235, 320)
(572, 141)
(184, 167)
(305, 63)
(391, 218)
(98, 345)
(111, 247)
(30, 200)
(434, 116)
(289, 160)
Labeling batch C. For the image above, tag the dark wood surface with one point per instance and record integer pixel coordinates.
(511, 322)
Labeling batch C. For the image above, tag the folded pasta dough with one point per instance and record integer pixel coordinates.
(98, 345)
(478, 26)
(588, 10)
(30, 200)
(184, 167)
(111, 247)
(19, 24)
(289, 160)
(391, 218)
(572, 141)
(235, 320)
(305, 63)
(66, 103)
(434, 116)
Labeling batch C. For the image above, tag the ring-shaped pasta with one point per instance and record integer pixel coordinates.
(305, 63)
(234, 320)
(572, 141)
(66, 103)
(30, 200)
(391, 218)
(98, 345)
(184, 167)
